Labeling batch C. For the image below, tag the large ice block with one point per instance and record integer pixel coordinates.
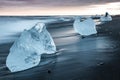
(86, 27)
(26, 51)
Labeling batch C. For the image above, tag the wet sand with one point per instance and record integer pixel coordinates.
(96, 57)
(112, 28)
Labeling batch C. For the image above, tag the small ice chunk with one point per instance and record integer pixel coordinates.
(26, 51)
(65, 19)
(86, 27)
(106, 17)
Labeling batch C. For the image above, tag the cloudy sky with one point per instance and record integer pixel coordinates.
(58, 7)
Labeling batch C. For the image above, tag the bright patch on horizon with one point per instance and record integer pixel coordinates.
(112, 8)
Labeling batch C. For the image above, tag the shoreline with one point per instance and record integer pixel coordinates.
(91, 58)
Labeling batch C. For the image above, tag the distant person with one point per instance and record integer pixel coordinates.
(106, 14)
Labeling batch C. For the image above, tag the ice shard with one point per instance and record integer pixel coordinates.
(106, 17)
(84, 28)
(26, 52)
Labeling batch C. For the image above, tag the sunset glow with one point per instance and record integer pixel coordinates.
(112, 8)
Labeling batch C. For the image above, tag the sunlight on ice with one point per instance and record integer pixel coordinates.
(86, 27)
(26, 52)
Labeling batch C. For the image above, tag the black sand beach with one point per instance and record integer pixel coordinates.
(96, 57)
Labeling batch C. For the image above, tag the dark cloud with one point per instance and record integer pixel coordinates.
(51, 3)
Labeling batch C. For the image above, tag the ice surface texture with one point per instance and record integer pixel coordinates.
(86, 27)
(26, 52)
